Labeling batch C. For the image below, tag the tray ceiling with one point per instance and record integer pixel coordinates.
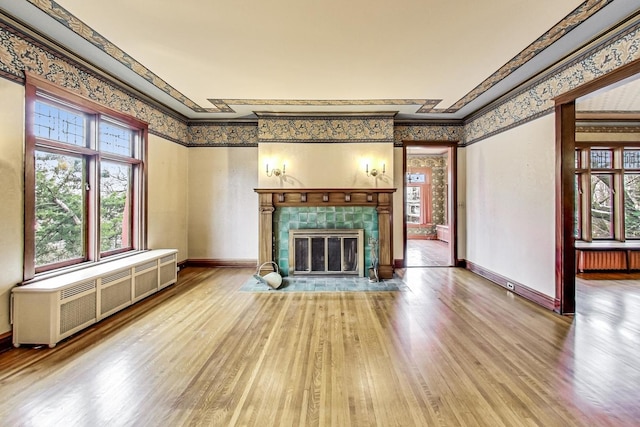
(225, 60)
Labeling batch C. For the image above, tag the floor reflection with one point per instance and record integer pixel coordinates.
(607, 340)
(427, 253)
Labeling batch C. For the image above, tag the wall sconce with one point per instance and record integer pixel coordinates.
(276, 171)
(374, 172)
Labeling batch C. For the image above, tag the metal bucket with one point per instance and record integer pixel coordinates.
(273, 279)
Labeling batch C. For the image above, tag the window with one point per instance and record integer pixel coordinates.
(84, 180)
(419, 206)
(607, 192)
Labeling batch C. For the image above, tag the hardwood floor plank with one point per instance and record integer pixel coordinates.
(454, 350)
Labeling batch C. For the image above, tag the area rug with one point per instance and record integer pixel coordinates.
(327, 284)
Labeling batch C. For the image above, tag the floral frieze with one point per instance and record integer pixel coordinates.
(326, 129)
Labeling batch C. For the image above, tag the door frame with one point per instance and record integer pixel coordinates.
(452, 190)
(565, 115)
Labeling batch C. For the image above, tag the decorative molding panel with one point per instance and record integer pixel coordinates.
(427, 132)
(325, 128)
(223, 134)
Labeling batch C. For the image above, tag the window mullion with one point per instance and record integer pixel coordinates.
(618, 206)
(618, 164)
(585, 183)
(93, 191)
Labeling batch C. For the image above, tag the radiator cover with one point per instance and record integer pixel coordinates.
(49, 310)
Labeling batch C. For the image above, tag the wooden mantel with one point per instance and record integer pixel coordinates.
(380, 198)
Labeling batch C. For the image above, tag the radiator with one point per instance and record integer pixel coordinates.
(602, 260)
(50, 310)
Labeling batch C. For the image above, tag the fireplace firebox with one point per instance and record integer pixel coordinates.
(326, 252)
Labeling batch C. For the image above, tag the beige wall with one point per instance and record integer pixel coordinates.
(11, 191)
(168, 197)
(326, 165)
(510, 204)
(223, 206)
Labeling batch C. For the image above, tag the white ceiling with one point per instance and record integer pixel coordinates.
(304, 55)
(623, 96)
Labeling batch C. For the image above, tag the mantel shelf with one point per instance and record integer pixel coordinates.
(292, 197)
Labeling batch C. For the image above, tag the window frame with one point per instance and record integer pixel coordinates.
(584, 172)
(38, 89)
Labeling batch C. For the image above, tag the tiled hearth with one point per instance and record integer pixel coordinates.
(285, 209)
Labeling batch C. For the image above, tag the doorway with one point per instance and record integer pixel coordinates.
(428, 188)
(568, 190)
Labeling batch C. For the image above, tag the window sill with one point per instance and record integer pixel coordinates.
(604, 245)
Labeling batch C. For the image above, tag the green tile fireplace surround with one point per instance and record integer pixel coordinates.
(321, 217)
(284, 209)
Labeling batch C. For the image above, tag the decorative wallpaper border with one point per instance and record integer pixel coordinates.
(223, 134)
(571, 21)
(425, 105)
(537, 99)
(427, 132)
(64, 17)
(608, 129)
(326, 128)
(19, 52)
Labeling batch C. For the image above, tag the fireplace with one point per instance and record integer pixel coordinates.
(326, 252)
(324, 209)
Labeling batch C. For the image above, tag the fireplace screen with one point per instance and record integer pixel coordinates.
(314, 251)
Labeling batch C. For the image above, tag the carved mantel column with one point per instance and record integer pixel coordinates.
(265, 232)
(385, 235)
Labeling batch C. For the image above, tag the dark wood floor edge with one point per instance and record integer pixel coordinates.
(6, 341)
(524, 291)
(233, 263)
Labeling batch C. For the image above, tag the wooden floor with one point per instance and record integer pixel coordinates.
(455, 350)
(427, 253)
